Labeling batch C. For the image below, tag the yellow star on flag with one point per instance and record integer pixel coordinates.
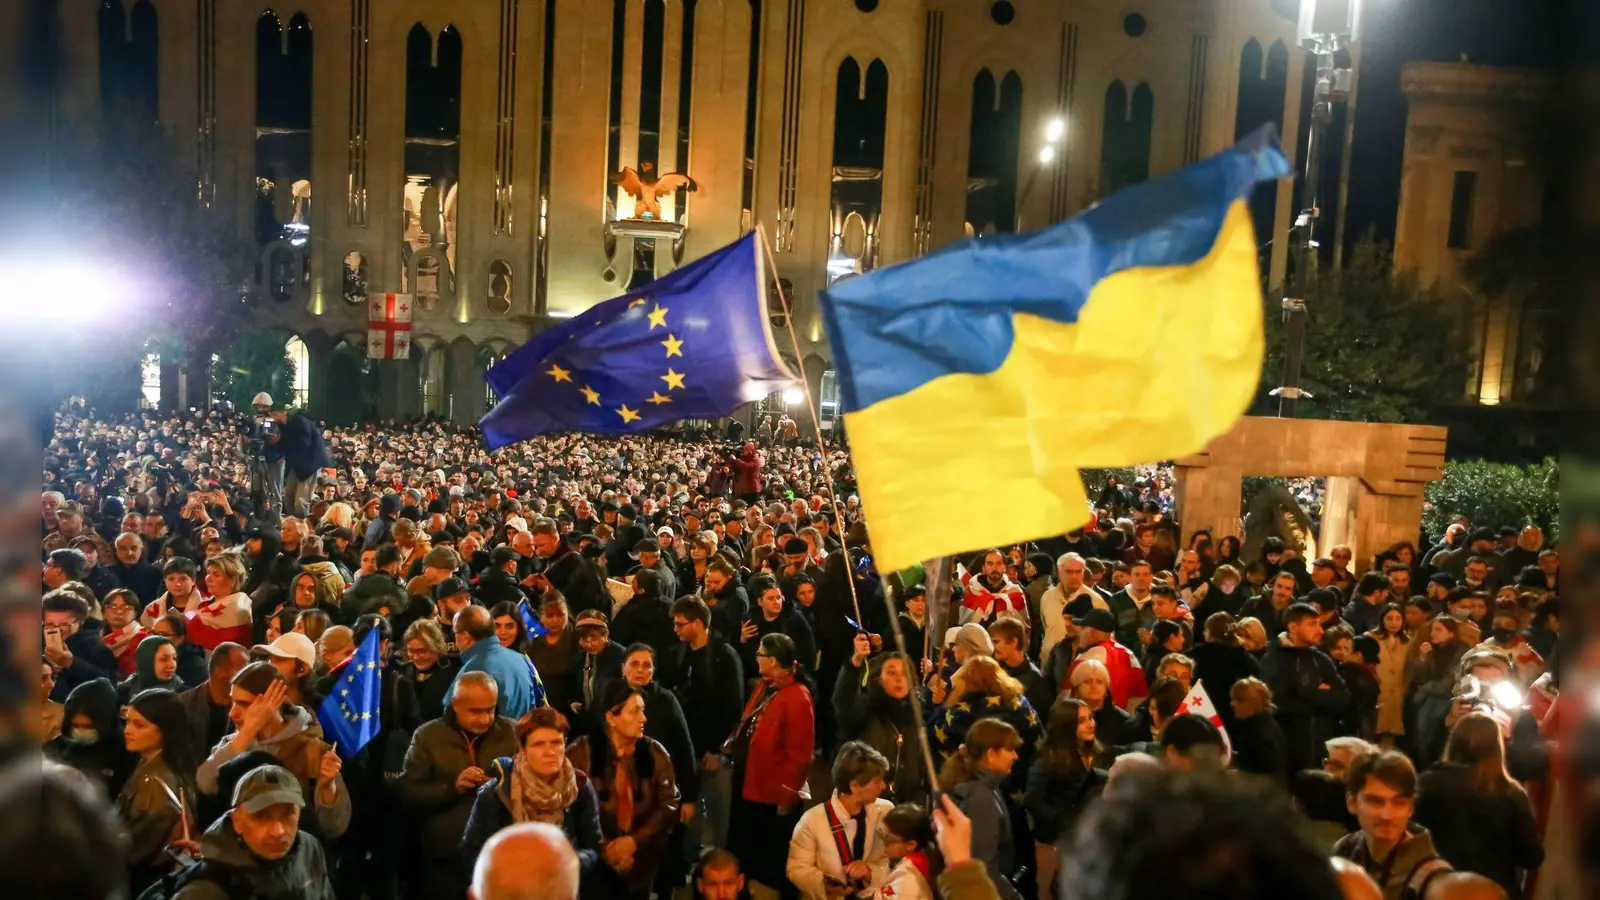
(628, 415)
(673, 345)
(590, 395)
(657, 399)
(558, 373)
(673, 379)
(658, 316)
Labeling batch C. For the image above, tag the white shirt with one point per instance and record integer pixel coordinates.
(814, 854)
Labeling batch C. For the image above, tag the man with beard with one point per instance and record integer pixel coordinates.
(990, 594)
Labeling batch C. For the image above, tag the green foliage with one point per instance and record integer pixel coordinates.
(1495, 494)
(256, 361)
(1378, 346)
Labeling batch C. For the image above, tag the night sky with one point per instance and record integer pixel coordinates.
(1394, 32)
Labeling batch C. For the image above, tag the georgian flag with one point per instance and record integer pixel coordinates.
(389, 326)
(1198, 703)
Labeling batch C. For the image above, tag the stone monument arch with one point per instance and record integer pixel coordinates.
(1375, 472)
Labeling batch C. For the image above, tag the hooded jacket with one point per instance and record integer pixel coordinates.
(301, 875)
(106, 760)
(144, 675)
(298, 747)
(1307, 712)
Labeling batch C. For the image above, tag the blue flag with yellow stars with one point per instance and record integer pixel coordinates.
(695, 343)
(349, 714)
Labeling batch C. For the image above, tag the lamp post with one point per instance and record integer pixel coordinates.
(1055, 131)
(1326, 28)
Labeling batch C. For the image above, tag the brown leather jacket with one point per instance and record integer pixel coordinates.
(655, 803)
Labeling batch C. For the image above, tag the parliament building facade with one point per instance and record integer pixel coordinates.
(463, 151)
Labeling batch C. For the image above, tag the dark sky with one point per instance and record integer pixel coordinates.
(1394, 32)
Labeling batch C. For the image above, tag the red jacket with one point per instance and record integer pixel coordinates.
(746, 475)
(780, 748)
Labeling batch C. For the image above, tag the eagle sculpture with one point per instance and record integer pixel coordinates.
(646, 189)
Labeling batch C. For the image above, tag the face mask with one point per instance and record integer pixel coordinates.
(1461, 613)
(85, 736)
(1502, 635)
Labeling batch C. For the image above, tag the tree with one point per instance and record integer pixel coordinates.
(1493, 494)
(1379, 347)
(124, 203)
(256, 361)
(1521, 268)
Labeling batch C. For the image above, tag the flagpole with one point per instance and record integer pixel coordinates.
(816, 420)
(838, 512)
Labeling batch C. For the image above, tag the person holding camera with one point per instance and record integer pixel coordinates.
(296, 442)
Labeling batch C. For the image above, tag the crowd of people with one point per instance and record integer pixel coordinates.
(669, 664)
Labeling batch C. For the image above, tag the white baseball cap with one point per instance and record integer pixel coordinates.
(294, 645)
(262, 399)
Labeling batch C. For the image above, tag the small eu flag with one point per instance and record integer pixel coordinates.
(535, 629)
(695, 343)
(350, 714)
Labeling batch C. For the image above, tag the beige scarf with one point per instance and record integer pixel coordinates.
(534, 799)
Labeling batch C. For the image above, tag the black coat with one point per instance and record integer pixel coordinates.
(496, 586)
(577, 581)
(1491, 834)
(664, 723)
(709, 685)
(646, 619)
(1220, 666)
(1308, 713)
(91, 659)
(1258, 746)
(867, 714)
(788, 622)
(302, 447)
(1054, 799)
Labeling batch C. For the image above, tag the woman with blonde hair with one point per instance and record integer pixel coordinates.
(1252, 635)
(340, 514)
(1479, 817)
(976, 775)
(1258, 745)
(982, 689)
(1091, 682)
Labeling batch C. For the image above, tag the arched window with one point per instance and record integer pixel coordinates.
(499, 298)
(150, 381)
(300, 377)
(433, 378)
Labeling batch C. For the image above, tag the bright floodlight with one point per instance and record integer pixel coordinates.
(1046, 154)
(792, 396)
(64, 292)
(1055, 130)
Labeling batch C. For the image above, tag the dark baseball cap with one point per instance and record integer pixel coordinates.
(648, 545)
(267, 786)
(499, 556)
(1099, 620)
(451, 587)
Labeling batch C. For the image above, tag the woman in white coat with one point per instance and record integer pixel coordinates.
(838, 850)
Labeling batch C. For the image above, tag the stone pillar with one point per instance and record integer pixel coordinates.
(717, 124)
(1390, 513)
(465, 383)
(1208, 498)
(1340, 514)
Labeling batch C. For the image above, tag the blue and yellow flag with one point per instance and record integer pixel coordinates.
(977, 380)
(695, 343)
(350, 714)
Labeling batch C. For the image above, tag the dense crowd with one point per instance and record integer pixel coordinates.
(676, 651)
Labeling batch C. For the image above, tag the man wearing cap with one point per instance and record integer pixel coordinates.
(263, 719)
(622, 543)
(438, 564)
(796, 562)
(1096, 630)
(297, 441)
(70, 524)
(258, 849)
(648, 552)
(1480, 544)
(520, 687)
(601, 662)
(498, 582)
(451, 597)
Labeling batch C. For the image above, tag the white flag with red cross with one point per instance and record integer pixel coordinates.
(1198, 703)
(389, 326)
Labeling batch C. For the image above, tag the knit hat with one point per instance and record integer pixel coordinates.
(1099, 620)
(441, 558)
(796, 545)
(974, 638)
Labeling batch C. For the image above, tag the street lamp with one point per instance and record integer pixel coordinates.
(1055, 131)
(1326, 28)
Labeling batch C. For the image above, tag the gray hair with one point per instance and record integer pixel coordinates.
(1356, 746)
(477, 679)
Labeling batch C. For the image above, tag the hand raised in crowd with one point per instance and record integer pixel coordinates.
(262, 710)
(747, 631)
(863, 649)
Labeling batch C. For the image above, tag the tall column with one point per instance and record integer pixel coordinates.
(717, 123)
(581, 88)
(1283, 217)
(1340, 514)
(671, 83)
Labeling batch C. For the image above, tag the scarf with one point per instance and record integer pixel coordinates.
(535, 800)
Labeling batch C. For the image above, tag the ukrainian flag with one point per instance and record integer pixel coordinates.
(976, 381)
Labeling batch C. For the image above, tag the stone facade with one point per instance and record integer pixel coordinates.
(462, 149)
(1473, 169)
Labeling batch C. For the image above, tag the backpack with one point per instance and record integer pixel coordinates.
(1421, 874)
(231, 879)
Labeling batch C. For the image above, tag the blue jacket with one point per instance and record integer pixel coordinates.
(491, 811)
(520, 687)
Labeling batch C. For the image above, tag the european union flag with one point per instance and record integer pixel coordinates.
(695, 343)
(535, 629)
(350, 714)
